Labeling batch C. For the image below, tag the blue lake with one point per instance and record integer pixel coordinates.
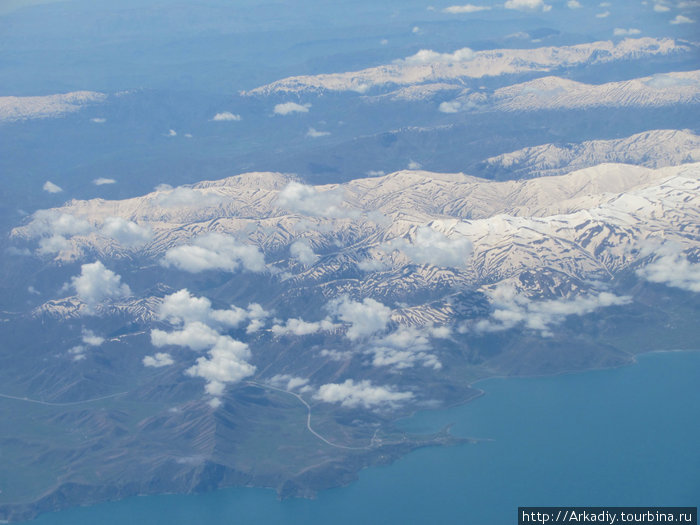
(622, 437)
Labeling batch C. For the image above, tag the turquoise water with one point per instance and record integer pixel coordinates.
(622, 437)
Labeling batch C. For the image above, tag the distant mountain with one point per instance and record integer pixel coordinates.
(430, 67)
(21, 108)
(653, 149)
(448, 229)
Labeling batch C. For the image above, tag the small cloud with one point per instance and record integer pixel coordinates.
(626, 32)
(188, 135)
(226, 116)
(429, 246)
(428, 56)
(126, 233)
(452, 106)
(383, 41)
(660, 8)
(215, 251)
(158, 360)
(97, 284)
(512, 309)
(604, 14)
(604, 4)
(527, 5)
(371, 265)
(413, 165)
(300, 327)
(172, 133)
(672, 268)
(53, 228)
(680, 19)
(365, 318)
(361, 395)
(303, 253)
(90, 338)
(573, 4)
(315, 134)
(287, 108)
(306, 199)
(376, 173)
(467, 8)
(101, 181)
(183, 196)
(51, 187)
(98, 120)
(337, 355)
(288, 382)
(78, 352)
(415, 30)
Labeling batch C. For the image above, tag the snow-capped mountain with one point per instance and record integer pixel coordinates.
(653, 149)
(551, 93)
(450, 230)
(432, 67)
(21, 108)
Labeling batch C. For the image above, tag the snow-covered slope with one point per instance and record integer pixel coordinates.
(549, 93)
(431, 67)
(452, 230)
(20, 108)
(653, 149)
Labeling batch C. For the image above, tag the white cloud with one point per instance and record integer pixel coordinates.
(467, 8)
(337, 355)
(97, 284)
(672, 268)
(53, 228)
(288, 108)
(361, 394)
(512, 309)
(289, 382)
(429, 246)
(98, 120)
(428, 56)
(158, 360)
(573, 4)
(182, 196)
(182, 307)
(196, 336)
(215, 251)
(300, 327)
(626, 32)
(404, 348)
(681, 19)
(314, 134)
(227, 359)
(660, 8)
(305, 199)
(415, 30)
(101, 181)
(375, 173)
(51, 187)
(226, 116)
(227, 362)
(365, 318)
(413, 165)
(453, 106)
(126, 233)
(302, 252)
(90, 338)
(78, 352)
(527, 5)
(172, 133)
(604, 14)
(371, 265)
